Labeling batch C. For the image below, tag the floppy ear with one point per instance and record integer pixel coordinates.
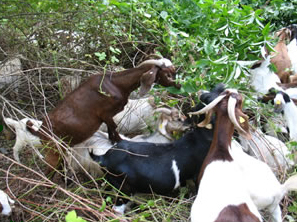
(243, 121)
(147, 80)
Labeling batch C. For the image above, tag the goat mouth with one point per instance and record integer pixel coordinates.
(278, 108)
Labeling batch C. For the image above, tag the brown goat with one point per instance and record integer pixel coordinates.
(280, 58)
(221, 178)
(97, 100)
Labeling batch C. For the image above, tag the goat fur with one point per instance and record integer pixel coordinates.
(97, 100)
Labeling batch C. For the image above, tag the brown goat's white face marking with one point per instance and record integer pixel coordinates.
(166, 62)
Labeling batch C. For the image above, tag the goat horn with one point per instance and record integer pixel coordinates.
(231, 112)
(209, 106)
(207, 119)
(163, 110)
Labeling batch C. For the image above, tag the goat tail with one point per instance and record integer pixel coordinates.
(290, 184)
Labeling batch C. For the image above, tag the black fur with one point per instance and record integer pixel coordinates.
(145, 167)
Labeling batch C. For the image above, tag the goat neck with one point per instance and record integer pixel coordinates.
(224, 127)
(129, 80)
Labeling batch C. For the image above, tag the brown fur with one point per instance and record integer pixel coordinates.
(280, 57)
(240, 213)
(223, 126)
(97, 100)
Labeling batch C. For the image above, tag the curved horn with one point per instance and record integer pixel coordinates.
(209, 106)
(207, 119)
(231, 112)
(163, 110)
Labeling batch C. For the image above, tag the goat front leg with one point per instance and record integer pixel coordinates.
(53, 158)
(112, 133)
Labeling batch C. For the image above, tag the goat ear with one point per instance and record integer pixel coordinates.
(147, 80)
(244, 124)
(162, 126)
(207, 119)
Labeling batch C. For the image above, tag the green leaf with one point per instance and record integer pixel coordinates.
(101, 56)
(72, 217)
(266, 29)
(103, 206)
(202, 63)
(207, 47)
(115, 50)
(1, 128)
(114, 59)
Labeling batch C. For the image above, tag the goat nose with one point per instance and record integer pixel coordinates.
(277, 108)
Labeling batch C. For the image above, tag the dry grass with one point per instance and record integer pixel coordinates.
(40, 199)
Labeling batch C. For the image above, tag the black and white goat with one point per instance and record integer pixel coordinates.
(222, 194)
(99, 142)
(283, 102)
(145, 167)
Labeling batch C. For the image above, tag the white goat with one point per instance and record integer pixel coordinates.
(23, 137)
(262, 78)
(222, 193)
(268, 149)
(5, 203)
(261, 183)
(257, 179)
(292, 48)
(135, 117)
(282, 101)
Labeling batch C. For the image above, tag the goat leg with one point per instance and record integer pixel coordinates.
(53, 158)
(112, 133)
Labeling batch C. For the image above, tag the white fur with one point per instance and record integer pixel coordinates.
(292, 92)
(222, 184)
(134, 118)
(261, 183)
(263, 79)
(166, 62)
(23, 137)
(120, 209)
(80, 158)
(10, 72)
(176, 174)
(292, 52)
(6, 203)
(268, 149)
